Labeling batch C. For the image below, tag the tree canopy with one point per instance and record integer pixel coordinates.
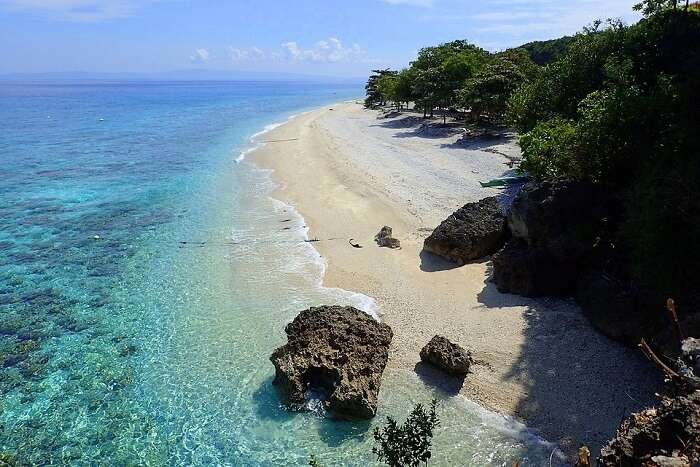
(453, 75)
(621, 108)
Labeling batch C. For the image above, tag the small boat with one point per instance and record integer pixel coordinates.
(505, 181)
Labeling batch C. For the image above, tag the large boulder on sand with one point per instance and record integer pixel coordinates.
(472, 232)
(555, 226)
(666, 435)
(447, 356)
(339, 351)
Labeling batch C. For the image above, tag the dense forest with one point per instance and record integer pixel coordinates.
(615, 105)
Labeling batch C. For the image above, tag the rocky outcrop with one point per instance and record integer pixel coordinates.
(555, 227)
(530, 272)
(384, 238)
(472, 232)
(666, 435)
(690, 353)
(338, 351)
(563, 217)
(608, 301)
(447, 356)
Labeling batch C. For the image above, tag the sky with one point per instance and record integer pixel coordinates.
(318, 37)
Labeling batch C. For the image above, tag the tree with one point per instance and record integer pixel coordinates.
(653, 7)
(489, 90)
(438, 72)
(426, 88)
(387, 85)
(407, 445)
(404, 85)
(372, 92)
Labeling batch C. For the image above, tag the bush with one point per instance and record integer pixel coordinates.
(407, 445)
(547, 149)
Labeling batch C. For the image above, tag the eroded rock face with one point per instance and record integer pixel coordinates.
(666, 435)
(690, 352)
(555, 227)
(608, 302)
(472, 232)
(447, 356)
(530, 272)
(339, 351)
(562, 217)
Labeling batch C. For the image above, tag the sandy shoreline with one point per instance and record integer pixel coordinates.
(348, 174)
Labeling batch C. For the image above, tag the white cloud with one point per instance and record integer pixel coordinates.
(77, 10)
(244, 55)
(292, 49)
(496, 24)
(200, 56)
(328, 50)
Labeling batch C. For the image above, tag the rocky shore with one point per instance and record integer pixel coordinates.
(544, 360)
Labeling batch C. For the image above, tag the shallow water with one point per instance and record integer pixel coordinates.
(146, 276)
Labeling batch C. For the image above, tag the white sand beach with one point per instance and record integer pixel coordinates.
(349, 173)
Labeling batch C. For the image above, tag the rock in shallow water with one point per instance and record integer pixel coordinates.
(447, 356)
(339, 351)
(472, 232)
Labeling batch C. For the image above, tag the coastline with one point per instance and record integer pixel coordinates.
(349, 174)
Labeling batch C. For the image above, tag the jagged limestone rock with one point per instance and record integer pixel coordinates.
(340, 351)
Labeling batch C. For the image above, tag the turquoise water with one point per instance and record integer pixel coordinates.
(146, 276)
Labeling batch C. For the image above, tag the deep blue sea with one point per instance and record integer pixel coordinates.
(145, 279)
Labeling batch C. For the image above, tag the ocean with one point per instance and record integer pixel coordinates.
(146, 275)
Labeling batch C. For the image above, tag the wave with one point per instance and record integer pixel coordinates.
(255, 144)
(310, 260)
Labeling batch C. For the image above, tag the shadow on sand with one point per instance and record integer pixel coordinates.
(433, 263)
(417, 126)
(577, 381)
(484, 142)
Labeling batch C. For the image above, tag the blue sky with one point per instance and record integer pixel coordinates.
(343, 38)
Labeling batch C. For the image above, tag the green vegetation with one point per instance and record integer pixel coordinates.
(407, 445)
(455, 75)
(373, 90)
(616, 105)
(488, 91)
(545, 52)
(621, 108)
